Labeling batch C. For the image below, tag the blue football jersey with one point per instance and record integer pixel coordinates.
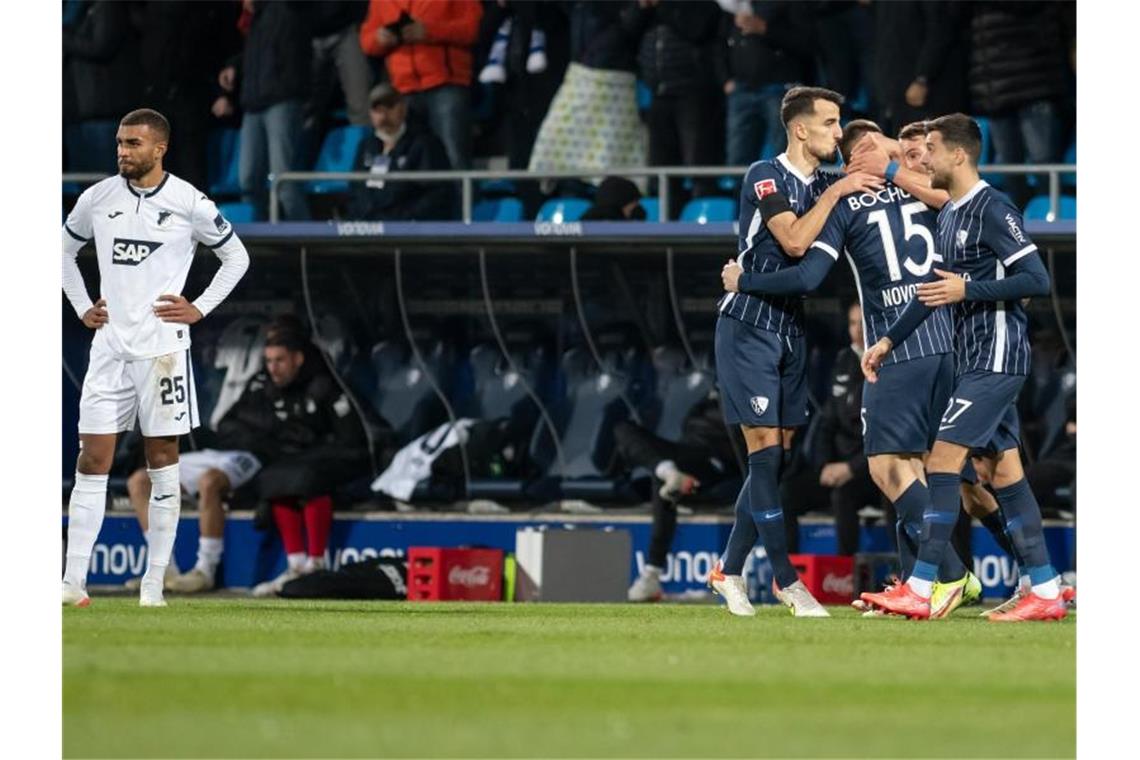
(888, 239)
(759, 250)
(980, 235)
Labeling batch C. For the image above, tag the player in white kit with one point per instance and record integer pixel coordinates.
(146, 225)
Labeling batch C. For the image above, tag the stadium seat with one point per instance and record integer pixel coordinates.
(561, 210)
(711, 209)
(222, 159)
(498, 210)
(1038, 208)
(652, 208)
(403, 394)
(987, 155)
(680, 387)
(495, 188)
(338, 152)
(1069, 179)
(237, 213)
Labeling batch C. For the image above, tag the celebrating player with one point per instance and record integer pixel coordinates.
(760, 350)
(992, 264)
(145, 224)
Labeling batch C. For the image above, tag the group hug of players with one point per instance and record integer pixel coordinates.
(942, 264)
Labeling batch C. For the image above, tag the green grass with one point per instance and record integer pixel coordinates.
(229, 677)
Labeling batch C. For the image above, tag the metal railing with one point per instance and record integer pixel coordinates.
(467, 179)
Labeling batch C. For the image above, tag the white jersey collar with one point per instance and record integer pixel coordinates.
(969, 196)
(783, 159)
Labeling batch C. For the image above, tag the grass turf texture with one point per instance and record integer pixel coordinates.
(230, 677)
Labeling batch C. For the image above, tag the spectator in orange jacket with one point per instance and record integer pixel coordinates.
(426, 45)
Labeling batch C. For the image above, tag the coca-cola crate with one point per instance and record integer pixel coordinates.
(436, 573)
(830, 578)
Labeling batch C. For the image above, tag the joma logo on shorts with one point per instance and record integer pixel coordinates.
(131, 252)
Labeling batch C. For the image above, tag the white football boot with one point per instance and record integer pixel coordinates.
(73, 596)
(797, 598)
(732, 588)
(647, 587)
(150, 594)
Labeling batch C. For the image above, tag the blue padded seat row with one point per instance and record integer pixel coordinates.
(709, 209)
(222, 162)
(1038, 208)
(498, 210)
(562, 210)
(337, 154)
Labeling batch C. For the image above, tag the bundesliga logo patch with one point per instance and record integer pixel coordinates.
(764, 187)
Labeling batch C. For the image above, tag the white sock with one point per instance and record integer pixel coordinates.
(1025, 584)
(536, 60)
(920, 587)
(162, 519)
(297, 561)
(315, 563)
(652, 570)
(85, 512)
(209, 555)
(1050, 589)
(665, 469)
(495, 71)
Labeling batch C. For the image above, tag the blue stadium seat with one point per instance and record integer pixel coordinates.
(987, 140)
(1038, 208)
(560, 210)
(498, 210)
(237, 213)
(680, 387)
(222, 160)
(710, 209)
(403, 395)
(1069, 179)
(495, 188)
(338, 152)
(652, 208)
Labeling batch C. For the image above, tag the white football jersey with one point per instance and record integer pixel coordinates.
(145, 241)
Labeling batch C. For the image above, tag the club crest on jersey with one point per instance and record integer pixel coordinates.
(763, 188)
(163, 216)
(132, 252)
(962, 235)
(759, 404)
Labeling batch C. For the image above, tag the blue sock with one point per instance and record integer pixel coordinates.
(742, 538)
(909, 508)
(764, 498)
(1023, 523)
(937, 524)
(994, 522)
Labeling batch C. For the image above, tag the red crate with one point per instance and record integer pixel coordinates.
(830, 578)
(436, 573)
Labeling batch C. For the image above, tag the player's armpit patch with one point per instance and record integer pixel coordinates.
(764, 188)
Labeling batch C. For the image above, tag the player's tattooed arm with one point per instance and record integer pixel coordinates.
(796, 234)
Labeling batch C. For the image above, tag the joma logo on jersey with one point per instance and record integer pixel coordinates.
(132, 252)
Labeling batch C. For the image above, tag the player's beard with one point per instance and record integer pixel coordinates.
(828, 158)
(136, 170)
(939, 181)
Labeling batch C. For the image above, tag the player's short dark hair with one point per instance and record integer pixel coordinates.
(852, 134)
(913, 130)
(150, 118)
(286, 337)
(801, 100)
(960, 131)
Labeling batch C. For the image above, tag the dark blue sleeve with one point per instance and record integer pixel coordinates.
(1003, 231)
(1026, 277)
(912, 316)
(763, 189)
(804, 277)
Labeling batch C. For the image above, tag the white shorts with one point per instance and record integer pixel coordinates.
(159, 392)
(238, 466)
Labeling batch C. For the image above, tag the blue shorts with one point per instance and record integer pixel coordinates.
(902, 410)
(982, 413)
(762, 375)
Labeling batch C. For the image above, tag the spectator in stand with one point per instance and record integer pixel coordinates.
(769, 49)
(100, 82)
(402, 143)
(272, 78)
(295, 418)
(426, 45)
(1019, 53)
(843, 31)
(593, 122)
(1051, 475)
(183, 46)
(919, 61)
(617, 200)
(702, 458)
(340, 68)
(679, 46)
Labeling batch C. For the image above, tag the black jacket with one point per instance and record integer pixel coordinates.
(275, 65)
(784, 54)
(310, 413)
(680, 43)
(704, 426)
(184, 45)
(418, 149)
(1018, 54)
(101, 64)
(840, 436)
(919, 39)
(598, 37)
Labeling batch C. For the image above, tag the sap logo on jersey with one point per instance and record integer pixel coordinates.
(132, 252)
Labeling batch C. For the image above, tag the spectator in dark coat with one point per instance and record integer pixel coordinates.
(271, 77)
(402, 144)
(919, 61)
(100, 83)
(618, 200)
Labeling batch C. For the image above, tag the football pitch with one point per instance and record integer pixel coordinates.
(228, 677)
